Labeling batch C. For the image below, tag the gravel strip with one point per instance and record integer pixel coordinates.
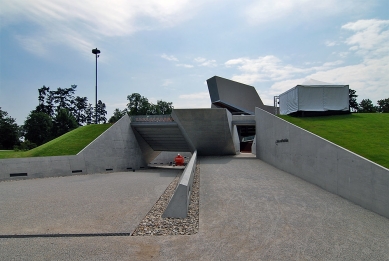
(154, 225)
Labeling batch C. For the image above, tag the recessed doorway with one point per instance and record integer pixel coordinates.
(246, 137)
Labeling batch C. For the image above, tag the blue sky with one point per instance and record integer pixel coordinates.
(168, 49)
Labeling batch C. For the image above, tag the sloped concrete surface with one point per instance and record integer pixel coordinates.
(249, 210)
(322, 163)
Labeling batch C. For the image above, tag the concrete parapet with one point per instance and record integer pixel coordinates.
(322, 163)
(179, 203)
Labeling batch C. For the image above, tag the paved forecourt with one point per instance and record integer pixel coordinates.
(249, 210)
(84, 204)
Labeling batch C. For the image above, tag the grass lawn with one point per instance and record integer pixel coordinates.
(68, 144)
(366, 134)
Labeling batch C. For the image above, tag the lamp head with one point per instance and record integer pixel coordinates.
(95, 51)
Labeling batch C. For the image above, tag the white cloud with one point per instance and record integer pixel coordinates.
(200, 59)
(297, 11)
(184, 65)
(369, 78)
(370, 38)
(169, 57)
(264, 68)
(330, 43)
(80, 23)
(204, 62)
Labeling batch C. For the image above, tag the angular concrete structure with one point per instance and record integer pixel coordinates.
(240, 120)
(237, 97)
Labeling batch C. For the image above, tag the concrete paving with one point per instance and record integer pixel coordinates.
(85, 204)
(249, 210)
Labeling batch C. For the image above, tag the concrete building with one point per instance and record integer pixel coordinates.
(237, 122)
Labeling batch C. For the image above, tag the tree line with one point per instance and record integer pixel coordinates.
(140, 105)
(60, 110)
(366, 105)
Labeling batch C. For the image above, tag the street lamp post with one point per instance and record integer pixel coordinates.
(96, 53)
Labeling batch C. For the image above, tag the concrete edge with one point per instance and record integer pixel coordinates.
(179, 203)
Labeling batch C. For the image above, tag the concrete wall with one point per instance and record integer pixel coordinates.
(254, 146)
(114, 150)
(209, 131)
(179, 203)
(235, 137)
(322, 163)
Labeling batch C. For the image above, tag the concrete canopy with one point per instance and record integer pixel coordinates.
(234, 96)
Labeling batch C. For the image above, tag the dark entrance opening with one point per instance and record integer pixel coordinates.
(246, 137)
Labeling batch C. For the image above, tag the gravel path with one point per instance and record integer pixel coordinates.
(154, 225)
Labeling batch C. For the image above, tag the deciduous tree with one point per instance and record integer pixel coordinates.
(366, 105)
(38, 127)
(117, 115)
(8, 131)
(64, 121)
(383, 105)
(140, 105)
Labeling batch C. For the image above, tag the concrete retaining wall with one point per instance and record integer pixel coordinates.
(114, 150)
(322, 163)
(179, 203)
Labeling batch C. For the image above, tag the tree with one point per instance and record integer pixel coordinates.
(383, 105)
(366, 105)
(80, 104)
(164, 107)
(8, 131)
(64, 121)
(138, 105)
(117, 115)
(38, 127)
(100, 112)
(64, 97)
(46, 101)
(353, 105)
(89, 112)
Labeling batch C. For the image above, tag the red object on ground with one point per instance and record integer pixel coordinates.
(179, 160)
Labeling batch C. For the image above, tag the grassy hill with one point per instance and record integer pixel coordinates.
(68, 144)
(366, 134)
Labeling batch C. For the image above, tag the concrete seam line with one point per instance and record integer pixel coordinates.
(68, 235)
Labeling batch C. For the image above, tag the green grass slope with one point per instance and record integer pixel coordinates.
(68, 144)
(366, 134)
